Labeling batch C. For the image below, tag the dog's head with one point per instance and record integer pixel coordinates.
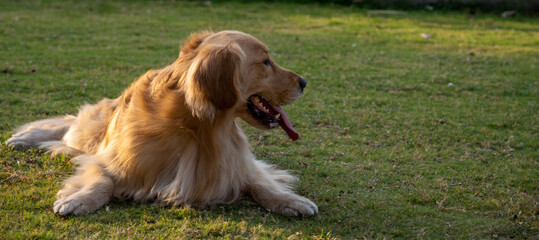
(233, 71)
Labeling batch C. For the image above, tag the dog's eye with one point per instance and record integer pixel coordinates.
(266, 62)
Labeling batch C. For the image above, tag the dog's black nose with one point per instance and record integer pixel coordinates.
(302, 83)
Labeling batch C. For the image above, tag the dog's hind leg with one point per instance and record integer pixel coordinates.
(46, 133)
(88, 190)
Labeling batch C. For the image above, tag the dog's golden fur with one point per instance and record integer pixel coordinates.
(171, 137)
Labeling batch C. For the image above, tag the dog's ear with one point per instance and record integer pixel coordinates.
(192, 43)
(212, 79)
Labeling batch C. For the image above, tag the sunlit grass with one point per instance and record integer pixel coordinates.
(401, 136)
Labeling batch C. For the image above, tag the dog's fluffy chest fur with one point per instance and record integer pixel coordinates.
(162, 157)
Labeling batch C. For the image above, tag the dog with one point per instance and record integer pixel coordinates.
(171, 138)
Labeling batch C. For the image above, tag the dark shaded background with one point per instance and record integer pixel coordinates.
(526, 7)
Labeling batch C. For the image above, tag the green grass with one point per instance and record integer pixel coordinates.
(401, 136)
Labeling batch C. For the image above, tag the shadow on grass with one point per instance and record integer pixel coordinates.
(244, 218)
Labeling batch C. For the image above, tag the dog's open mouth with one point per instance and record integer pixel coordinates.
(270, 115)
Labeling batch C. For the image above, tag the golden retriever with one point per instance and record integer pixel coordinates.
(171, 137)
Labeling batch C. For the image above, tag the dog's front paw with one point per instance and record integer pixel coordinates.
(294, 205)
(68, 206)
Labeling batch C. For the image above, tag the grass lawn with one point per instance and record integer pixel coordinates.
(401, 136)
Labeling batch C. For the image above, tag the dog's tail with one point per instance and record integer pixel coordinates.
(45, 134)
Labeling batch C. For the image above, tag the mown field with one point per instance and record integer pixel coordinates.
(403, 135)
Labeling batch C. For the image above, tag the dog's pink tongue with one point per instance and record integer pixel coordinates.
(285, 124)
